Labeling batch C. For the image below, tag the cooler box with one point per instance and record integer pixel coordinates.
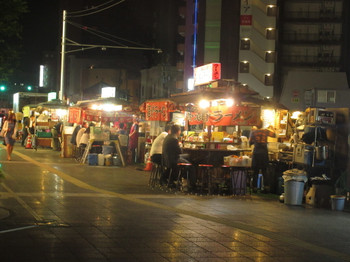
(92, 159)
(106, 150)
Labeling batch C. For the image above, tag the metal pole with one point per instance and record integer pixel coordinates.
(63, 50)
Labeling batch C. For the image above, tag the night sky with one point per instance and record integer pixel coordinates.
(41, 28)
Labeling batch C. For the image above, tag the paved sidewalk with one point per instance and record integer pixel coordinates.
(64, 211)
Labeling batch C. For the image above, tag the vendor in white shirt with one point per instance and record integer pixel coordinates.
(157, 146)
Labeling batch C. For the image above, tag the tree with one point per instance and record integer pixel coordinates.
(11, 12)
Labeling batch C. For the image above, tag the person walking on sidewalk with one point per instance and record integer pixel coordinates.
(9, 132)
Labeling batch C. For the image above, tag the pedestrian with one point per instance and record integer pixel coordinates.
(56, 132)
(32, 123)
(133, 140)
(260, 157)
(25, 130)
(9, 132)
(157, 146)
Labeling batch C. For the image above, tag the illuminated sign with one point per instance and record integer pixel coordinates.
(207, 73)
(107, 92)
(51, 96)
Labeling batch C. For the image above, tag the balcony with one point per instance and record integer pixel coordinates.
(181, 29)
(181, 48)
(309, 16)
(182, 12)
(324, 37)
(179, 85)
(180, 66)
(325, 60)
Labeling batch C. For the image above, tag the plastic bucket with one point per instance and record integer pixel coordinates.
(101, 160)
(293, 192)
(108, 160)
(338, 202)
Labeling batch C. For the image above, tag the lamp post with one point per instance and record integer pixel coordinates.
(63, 51)
(82, 47)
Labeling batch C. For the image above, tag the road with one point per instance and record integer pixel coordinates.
(54, 209)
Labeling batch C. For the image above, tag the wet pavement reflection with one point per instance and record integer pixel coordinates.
(54, 209)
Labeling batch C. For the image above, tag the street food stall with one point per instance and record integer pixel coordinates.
(218, 123)
(103, 113)
(48, 114)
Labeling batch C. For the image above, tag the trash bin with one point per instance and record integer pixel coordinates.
(338, 202)
(294, 181)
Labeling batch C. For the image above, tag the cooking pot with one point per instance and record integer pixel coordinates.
(321, 152)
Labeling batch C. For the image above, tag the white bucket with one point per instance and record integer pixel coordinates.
(293, 192)
(338, 202)
(101, 160)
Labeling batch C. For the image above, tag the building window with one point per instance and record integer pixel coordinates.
(271, 33)
(245, 44)
(268, 79)
(244, 67)
(326, 96)
(271, 10)
(270, 57)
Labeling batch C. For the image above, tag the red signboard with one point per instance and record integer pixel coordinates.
(246, 20)
(74, 115)
(158, 111)
(194, 118)
(232, 116)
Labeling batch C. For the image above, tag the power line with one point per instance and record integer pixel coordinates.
(93, 33)
(97, 11)
(92, 8)
(98, 33)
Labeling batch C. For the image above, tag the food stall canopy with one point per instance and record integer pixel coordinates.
(109, 100)
(92, 110)
(157, 110)
(53, 104)
(239, 93)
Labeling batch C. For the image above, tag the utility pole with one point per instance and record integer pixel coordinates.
(63, 52)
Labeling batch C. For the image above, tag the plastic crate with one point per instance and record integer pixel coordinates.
(44, 134)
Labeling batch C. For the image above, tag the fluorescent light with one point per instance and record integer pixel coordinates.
(204, 104)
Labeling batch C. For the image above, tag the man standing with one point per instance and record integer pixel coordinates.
(260, 158)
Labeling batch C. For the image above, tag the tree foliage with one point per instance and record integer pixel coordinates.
(11, 12)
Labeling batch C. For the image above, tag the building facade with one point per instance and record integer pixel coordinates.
(263, 43)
